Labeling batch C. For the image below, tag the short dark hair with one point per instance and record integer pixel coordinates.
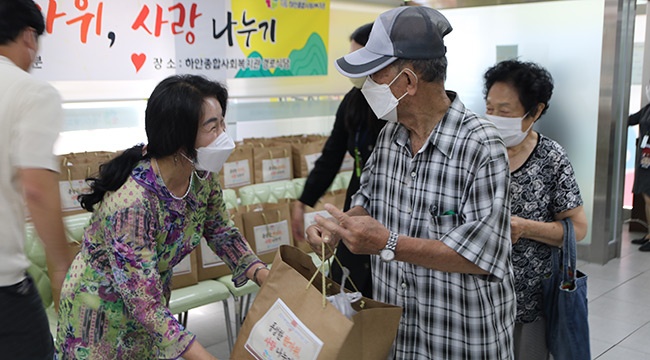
(174, 110)
(18, 15)
(534, 84)
(429, 70)
(361, 34)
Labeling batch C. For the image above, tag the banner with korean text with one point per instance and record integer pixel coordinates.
(152, 39)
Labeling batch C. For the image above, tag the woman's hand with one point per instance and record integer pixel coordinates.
(550, 233)
(517, 226)
(197, 352)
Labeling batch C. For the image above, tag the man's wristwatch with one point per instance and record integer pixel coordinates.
(388, 253)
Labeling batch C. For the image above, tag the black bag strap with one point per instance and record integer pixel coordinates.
(568, 256)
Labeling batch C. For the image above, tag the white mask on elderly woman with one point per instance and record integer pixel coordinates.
(510, 128)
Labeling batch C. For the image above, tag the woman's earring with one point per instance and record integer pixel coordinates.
(175, 159)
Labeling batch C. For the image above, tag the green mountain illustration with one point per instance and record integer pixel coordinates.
(309, 61)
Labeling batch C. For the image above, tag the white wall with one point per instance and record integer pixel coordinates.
(563, 36)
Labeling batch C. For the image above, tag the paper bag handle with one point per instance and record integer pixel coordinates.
(321, 269)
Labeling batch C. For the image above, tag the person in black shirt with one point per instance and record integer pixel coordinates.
(642, 169)
(355, 130)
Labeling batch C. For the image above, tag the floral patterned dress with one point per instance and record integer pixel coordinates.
(113, 301)
(543, 186)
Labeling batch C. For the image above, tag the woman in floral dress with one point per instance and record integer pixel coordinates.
(151, 206)
(543, 190)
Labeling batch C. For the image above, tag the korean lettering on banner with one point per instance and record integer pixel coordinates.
(249, 28)
(176, 26)
(152, 39)
(84, 19)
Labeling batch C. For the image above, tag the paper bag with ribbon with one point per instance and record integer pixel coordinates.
(336, 198)
(290, 318)
(210, 266)
(238, 169)
(272, 162)
(75, 168)
(185, 272)
(266, 227)
(305, 154)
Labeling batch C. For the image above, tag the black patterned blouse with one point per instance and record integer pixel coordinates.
(542, 187)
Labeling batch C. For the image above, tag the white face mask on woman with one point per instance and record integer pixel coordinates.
(212, 157)
(381, 100)
(510, 128)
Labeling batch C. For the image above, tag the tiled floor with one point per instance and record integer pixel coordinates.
(619, 309)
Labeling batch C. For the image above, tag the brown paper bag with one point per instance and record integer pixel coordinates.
(238, 169)
(305, 155)
(75, 168)
(266, 227)
(210, 266)
(272, 162)
(185, 272)
(288, 318)
(336, 198)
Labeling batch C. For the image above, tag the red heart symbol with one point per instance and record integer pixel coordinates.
(138, 60)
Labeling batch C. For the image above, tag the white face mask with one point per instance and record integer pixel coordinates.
(212, 157)
(381, 100)
(510, 128)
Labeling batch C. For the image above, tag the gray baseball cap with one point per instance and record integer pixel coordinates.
(407, 32)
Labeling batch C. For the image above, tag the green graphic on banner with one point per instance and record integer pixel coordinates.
(309, 61)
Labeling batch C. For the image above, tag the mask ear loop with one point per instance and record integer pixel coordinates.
(531, 125)
(396, 77)
(202, 178)
(196, 172)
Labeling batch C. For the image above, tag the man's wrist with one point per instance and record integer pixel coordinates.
(388, 253)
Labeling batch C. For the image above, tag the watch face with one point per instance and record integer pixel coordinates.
(387, 255)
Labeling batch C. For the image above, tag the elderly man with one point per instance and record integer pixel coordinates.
(433, 206)
(30, 119)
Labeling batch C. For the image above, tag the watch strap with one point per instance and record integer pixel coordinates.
(392, 241)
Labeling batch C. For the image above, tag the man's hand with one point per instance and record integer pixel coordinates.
(316, 237)
(361, 234)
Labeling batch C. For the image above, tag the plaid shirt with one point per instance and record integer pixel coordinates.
(463, 167)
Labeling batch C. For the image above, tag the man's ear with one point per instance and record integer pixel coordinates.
(413, 82)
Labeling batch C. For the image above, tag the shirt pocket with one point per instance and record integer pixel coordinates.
(441, 225)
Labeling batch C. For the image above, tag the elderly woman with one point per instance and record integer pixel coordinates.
(151, 207)
(543, 190)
